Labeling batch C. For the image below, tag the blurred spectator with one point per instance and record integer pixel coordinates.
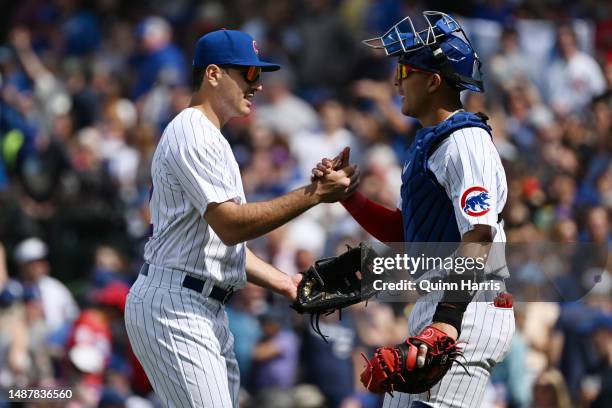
(328, 363)
(307, 237)
(309, 147)
(271, 169)
(160, 61)
(597, 226)
(565, 231)
(550, 391)
(275, 356)
(576, 322)
(381, 180)
(23, 333)
(89, 346)
(600, 394)
(14, 359)
(283, 111)
(123, 367)
(119, 118)
(49, 91)
(79, 28)
(323, 38)
(42, 160)
(510, 66)
(246, 305)
(109, 266)
(98, 350)
(574, 77)
(59, 307)
(513, 372)
(378, 324)
(387, 104)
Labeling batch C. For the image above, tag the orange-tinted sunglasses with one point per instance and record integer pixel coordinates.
(402, 71)
(250, 74)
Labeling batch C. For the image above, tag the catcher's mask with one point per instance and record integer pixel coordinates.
(442, 47)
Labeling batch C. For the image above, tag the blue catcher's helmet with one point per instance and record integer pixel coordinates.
(442, 47)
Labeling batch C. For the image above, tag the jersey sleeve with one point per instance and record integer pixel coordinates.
(466, 165)
(198, 163)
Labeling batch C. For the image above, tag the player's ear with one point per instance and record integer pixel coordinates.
(213, 74)
(434, 82)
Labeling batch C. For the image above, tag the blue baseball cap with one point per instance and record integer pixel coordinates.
(229, 47)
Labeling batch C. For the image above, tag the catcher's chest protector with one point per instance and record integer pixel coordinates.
(427, 211)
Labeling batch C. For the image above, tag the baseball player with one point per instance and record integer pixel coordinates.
(453, 189)
(196, 256)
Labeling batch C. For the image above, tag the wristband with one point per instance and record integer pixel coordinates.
(450, 313)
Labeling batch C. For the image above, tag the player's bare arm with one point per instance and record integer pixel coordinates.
(474, 244)
(265, 275)
(235, 223)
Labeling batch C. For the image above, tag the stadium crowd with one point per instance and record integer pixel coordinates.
(88, 86)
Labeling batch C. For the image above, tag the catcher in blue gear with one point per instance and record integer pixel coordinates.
(453, 190)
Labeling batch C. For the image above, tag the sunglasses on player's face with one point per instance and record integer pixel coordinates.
(402, 71)
(250, 74)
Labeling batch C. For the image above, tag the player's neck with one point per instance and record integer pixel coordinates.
(441, 103)
(205, 107)
(436, 116)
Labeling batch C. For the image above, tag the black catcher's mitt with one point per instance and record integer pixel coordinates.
(333, 283)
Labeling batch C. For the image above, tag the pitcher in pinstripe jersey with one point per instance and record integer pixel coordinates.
(196, 255)
(453, 190)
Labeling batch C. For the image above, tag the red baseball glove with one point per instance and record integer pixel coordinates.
(395, 368)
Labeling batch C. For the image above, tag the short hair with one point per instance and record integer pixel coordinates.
(197, 77)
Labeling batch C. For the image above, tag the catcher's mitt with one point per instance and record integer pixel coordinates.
(332, 283)
(395, 368)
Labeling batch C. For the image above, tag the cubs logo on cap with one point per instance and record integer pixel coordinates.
(229, 47)
(475, 201)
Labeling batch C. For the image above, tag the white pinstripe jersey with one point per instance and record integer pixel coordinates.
(194, 166)
(468, 162)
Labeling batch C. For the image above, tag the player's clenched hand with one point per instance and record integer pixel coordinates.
(398, 369)
(337, 185)
(326, 165)
(292, 287)
(446, 328)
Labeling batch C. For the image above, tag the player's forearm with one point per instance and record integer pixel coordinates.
(244, 222)
(474, 244)
(265, 275)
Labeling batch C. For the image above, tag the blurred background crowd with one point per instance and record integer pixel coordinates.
(86, 88)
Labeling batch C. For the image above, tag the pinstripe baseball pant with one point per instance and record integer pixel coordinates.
(183, 342)
(487, 332)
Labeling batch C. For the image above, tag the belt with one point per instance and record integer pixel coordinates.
(190, 282)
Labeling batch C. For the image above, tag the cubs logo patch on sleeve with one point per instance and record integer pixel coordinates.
(475, 201)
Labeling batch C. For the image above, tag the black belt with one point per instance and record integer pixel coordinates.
(190, 282)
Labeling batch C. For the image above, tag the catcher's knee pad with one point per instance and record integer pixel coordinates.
(420, 404)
